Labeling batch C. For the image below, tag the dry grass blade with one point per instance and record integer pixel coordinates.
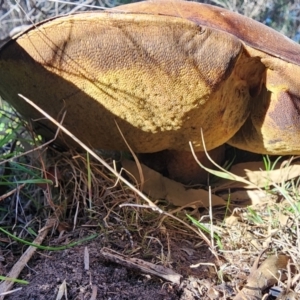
(2, 197)
(141, 174)
(10, 292)
(170, 215)
(225, 174)
(86, 259)
(94, 292)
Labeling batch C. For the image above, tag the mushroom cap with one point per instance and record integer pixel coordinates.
(157, 72)
(273, 124)
(251, 32)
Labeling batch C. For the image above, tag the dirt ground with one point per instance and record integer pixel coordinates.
(47, 271)
(138, 233)
(115, 215)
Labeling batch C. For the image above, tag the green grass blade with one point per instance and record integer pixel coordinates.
(49, 248)
(15, 280)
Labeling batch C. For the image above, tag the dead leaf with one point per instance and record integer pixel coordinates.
(62, 291)
(255, 173)
(267, 274)
(157, 186)
(247, 197)
(283, 219)
(232, 221)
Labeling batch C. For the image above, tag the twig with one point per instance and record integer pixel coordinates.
(18, 267)
(141, 265)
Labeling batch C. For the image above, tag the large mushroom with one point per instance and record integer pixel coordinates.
(159, 71)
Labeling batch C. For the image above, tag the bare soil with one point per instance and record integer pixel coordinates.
(48, 270)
